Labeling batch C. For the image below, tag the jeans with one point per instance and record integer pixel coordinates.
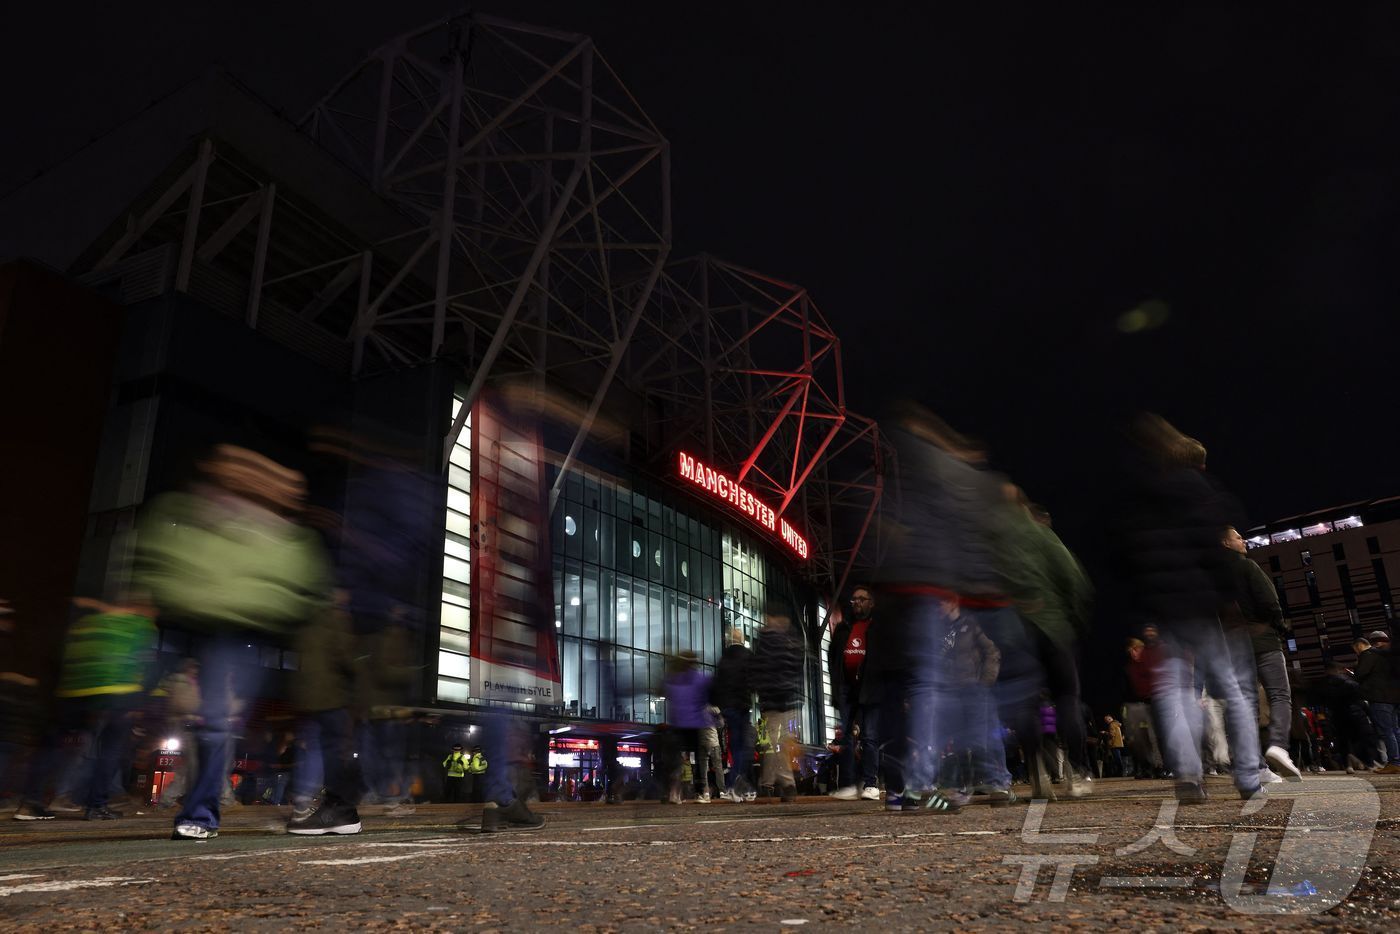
(1177, 705)
(736, 724)
(867, 717)
(925, 690)
(223, 678)
(1273, 675)
(310, 773)
(972, 723)
(1062, 681)
(1384, 717)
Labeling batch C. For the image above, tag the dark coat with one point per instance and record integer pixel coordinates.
(1169, 540)
(1258, 603)
(731, 689)
(843, 688)
(776, 673)
(1376, 676)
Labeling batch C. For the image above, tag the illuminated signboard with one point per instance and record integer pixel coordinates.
(738, 497)
(574, 745)
(633, 748)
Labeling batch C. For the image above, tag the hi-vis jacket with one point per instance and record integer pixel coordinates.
(456, 765)
(477, 765)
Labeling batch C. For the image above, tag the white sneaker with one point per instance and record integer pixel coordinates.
(750, 796)
(703, 799)
(402, 809)
(1282, 764)
(870, 793)
(848, 793)
(1267, 776)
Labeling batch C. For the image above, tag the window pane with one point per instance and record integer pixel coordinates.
(591, 602)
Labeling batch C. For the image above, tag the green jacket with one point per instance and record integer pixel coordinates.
(477, 765)
(1045, 580)
(108, 654)
(214, 565)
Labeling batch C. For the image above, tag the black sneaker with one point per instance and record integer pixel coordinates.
(514, 816)
(944, 802)
(102, 813)
(1001, 797)
(32, 812)
(1191, 792)
(328, 818)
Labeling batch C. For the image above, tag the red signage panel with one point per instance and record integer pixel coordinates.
(720, 486)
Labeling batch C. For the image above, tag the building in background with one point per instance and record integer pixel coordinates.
(460, 260)
(1334, 570)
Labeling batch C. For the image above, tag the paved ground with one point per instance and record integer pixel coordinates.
(643, 867)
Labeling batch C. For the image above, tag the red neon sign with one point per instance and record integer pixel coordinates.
(722, 487)
(574, 745)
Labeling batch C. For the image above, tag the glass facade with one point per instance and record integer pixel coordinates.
(635, 580)
(454, 633)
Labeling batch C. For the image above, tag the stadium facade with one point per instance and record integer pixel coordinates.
(458, 261)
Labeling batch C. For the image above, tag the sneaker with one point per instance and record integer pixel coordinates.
(870, 793)
(1267, 776)
(1282, 764)
(1001, 797)
(190, 831)
(1254, 794)
(102, 813)
(328, 818)
(302, 812)
(514, 816)
(703, 799)
(765, 791)
(65, 805)
(750, 796)
(894, 803)
(1040, 780)
(848, 793)
(402, 809)
(1079, 784)
(32, 812)
(1191, 792)
(944, 802)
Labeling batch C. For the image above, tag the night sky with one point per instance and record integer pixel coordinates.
(974, 198)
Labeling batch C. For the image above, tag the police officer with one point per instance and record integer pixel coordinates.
(476, 775)
(456, 766)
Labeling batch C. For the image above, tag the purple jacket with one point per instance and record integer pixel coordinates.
(688, 700)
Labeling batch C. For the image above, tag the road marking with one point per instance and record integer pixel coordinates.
(21, 875)
(252, 853)
(103, 882)
(638, 826)
(361, 860)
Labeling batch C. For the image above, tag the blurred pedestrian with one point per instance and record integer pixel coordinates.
(778, 663)
(323, 694)
(107, 668)
(733, 694)
(229, 560)
(1351, 726)
(711, 760)
(1171, 542)
(687, 711)
(180, 688)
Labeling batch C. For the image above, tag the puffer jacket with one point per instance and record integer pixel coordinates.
(216, 564)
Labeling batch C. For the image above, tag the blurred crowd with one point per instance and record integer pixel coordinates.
(955, 667)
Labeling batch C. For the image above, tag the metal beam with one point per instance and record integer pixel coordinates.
(508, 319)
(201, 174)
(148, 217)
(269, 197)
(231, 227)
